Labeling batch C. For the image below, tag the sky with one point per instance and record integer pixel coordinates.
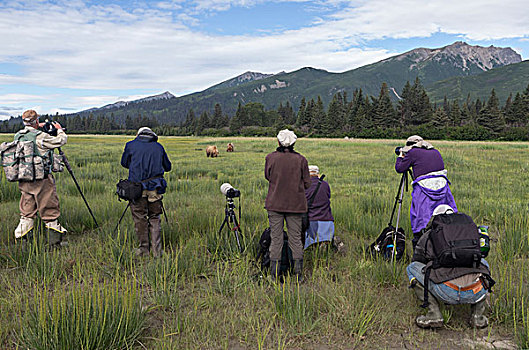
(70, 55)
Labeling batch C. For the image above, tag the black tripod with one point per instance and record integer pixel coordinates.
(230, 217)
(69, 168)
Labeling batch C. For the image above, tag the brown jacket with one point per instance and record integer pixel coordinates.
(288, 177)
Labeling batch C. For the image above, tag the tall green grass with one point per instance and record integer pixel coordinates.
(204, 293)
(102, 316)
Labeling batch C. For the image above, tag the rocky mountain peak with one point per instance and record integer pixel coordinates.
(463, 56)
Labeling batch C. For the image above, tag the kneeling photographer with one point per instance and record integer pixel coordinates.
(288, 176)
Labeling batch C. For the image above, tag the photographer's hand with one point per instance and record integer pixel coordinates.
(57, 125)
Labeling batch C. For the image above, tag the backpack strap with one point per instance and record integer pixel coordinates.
(311, 199)
(151, 178)
(426, 284)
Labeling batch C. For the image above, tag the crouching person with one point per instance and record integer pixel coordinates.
(467, 284)
(321, 221)
(288, 176)
(36, 182)
(147, 161)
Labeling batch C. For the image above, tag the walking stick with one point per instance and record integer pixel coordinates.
(68, 166)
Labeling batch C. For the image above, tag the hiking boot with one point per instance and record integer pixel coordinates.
(24, 226)
(433, 318)
(141, 251)
(274, 269)
(298, 270)
(477, 320)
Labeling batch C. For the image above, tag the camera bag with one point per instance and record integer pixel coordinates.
(264, 252)
(130, 190)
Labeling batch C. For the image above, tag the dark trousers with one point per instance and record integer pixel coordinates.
(276, 221)
(146, 216)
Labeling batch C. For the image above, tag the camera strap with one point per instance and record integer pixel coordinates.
(311, 199)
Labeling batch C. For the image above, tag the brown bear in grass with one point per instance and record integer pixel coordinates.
(230, 147)
(212, 151)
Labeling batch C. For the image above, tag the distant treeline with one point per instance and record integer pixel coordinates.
(361, 116)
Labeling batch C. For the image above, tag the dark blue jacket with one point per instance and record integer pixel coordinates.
(146, 158)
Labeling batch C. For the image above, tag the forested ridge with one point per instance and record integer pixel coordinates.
(359, 115)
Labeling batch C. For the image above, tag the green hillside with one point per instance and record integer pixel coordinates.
(504, 80)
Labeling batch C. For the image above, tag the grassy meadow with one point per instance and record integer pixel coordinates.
(204, 294)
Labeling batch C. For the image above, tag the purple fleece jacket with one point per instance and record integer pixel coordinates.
(321, 207)
(422, 160)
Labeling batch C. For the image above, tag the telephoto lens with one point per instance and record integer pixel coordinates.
(229, 191)
(397, 150)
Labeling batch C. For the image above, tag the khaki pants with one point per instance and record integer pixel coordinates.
(146, 216)
(41, 196)
(276, 221)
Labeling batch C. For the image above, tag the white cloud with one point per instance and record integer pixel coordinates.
(70, 44)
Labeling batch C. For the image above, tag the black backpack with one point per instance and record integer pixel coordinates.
(383, 245)
(264, 253)
(455, 242)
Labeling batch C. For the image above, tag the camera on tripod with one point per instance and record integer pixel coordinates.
(230, 219)
(229, 191)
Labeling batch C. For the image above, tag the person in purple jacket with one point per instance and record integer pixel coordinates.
(321, 221)
(430, 183)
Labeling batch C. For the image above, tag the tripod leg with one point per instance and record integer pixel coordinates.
(233, 218)
(121, 218)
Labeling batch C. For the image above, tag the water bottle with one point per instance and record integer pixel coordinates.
(484, 240)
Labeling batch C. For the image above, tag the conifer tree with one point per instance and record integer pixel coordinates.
(440, 118)
(318, 115)
(217, 118)
(202, 123)
(302, 118)
(490, 116)
(383, 114)
(236, 123)
(514, 113)
(455, 114)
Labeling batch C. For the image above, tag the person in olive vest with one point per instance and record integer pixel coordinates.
(40, 195)
(288, 177)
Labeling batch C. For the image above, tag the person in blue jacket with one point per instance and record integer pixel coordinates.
(147, 161)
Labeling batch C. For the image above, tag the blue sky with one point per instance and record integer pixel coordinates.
(69, 55)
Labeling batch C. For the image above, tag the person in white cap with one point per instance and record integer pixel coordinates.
(40, 195)
(430, 186)
(147, 161)
(321, 221)
(450, 285)
(288, 176)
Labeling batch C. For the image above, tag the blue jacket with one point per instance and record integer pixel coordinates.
(146, 158)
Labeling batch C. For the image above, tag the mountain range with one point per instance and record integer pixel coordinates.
(454, 70)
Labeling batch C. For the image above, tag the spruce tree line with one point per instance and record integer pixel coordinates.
(359, 116)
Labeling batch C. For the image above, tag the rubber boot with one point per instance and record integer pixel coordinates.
(477, 320)
(274, 269)
(298, 270)
(433, 318)
(55, 233)
(156, 235)
(24, 226)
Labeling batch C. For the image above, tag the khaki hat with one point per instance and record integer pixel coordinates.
(29, 116)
